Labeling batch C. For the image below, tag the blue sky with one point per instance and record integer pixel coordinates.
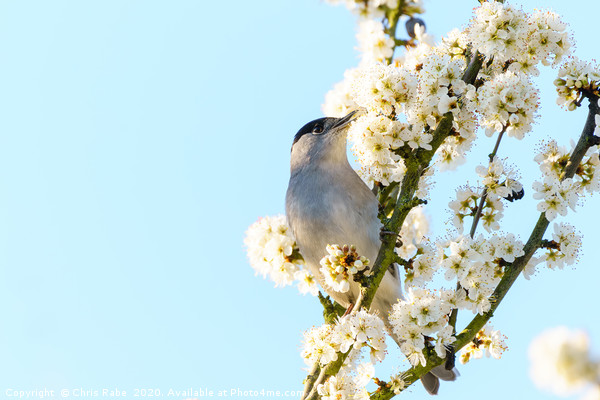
(139, 140)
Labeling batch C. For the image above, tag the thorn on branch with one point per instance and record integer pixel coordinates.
(550, 244)
(413, 203)
(594, 140)
(405, 263)
(405, 43)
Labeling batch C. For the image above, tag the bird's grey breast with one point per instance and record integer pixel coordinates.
(332, 206)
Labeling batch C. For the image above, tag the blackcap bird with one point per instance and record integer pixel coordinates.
(328, 203)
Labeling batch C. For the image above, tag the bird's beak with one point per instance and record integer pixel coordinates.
(342, 122)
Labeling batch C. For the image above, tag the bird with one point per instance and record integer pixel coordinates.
(328, 203)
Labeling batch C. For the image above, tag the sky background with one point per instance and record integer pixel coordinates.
(140, 139)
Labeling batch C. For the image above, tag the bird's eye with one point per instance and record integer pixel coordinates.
(318, 129)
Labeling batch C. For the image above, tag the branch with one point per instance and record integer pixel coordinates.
(393, 16)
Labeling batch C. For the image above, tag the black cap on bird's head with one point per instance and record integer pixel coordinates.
(322, 126)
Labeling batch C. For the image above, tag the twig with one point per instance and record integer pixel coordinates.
(485, 191)
(454, 313)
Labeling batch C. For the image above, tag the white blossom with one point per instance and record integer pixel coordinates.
(560, 361)
(319, 346)
(445, 337)
(557, 196)
(508, 102)
(306, 282)
(499, 30)
(272, 250)
(356, 330)
(422, 313)
(463, 206)
(339, 101)
(487, 341)
(508, 248)
(373, 43)
(413, 232)
(568, 244)
(552, 159)
(587, 174)
(374, 139)
(383, 89)
(334, 388)
(548, 40)
(477, 265)
(494, 177)
(575, 76)
(340, 266)
(422, 266)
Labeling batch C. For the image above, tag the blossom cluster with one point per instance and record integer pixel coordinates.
(413, 232)
(353, 332)
(516, 40)
(340, 266)
(567, 247)
(553, 160)
(575, 78)
(373, 43)
(421, 267)
(487, 341)
(423, 313)
(273, 253)
(478, 265)
(465, 205)
(339, 101)
(407, 99)
(375, 138)
(561, 361)
(421, 94)
(350, 382)
(499, 182)
(508, 102)
(272, 249)
(557, 194)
